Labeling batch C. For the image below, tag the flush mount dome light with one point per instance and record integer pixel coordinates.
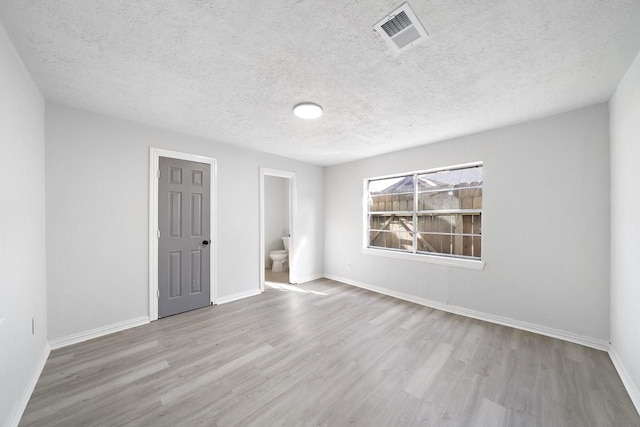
(307, 110)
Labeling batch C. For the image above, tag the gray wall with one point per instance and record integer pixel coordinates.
(625, 230)
(22, 231)
(276, 214)
(97, 170)
(545, 224)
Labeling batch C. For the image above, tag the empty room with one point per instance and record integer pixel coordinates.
(305, 213)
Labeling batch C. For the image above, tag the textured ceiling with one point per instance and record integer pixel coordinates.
(231, 71)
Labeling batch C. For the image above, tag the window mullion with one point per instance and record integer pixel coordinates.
(415, 213)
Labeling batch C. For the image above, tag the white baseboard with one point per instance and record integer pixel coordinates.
(505, 321)
(240, 295)
(97, 332)
(18, 408)
(632, 388)
(310, 278)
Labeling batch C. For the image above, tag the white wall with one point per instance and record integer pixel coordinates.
(22, 234)
(276, 214)
(97, 216)
(545, 224)
(625, 228)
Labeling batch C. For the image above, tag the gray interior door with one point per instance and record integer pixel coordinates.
(184, 243)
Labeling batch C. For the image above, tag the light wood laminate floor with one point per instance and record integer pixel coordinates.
(324, 353)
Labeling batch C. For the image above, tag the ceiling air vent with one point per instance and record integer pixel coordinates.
(401, 28)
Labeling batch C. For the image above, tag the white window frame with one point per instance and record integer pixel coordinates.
(473, 264)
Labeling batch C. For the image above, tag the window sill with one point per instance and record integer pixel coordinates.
(432, 259)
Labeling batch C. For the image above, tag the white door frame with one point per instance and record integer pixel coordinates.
(293, 208)
(154, 167)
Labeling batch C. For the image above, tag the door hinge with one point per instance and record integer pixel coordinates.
(158, 173)
(158, 233)
(157, 293)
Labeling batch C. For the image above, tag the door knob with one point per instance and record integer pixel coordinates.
(205, 242)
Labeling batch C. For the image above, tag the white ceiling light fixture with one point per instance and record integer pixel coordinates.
(307, 110)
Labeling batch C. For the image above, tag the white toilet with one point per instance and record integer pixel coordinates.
(279, 257)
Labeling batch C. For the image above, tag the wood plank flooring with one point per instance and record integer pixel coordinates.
(327, 354)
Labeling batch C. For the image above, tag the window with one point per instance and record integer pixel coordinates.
(436, 212)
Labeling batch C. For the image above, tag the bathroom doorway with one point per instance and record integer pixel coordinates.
(277, 214)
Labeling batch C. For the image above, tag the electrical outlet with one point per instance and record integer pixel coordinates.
(348, 265)
(33, 325)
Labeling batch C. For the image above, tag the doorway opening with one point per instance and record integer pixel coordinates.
(183, 186)
(277, 221)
